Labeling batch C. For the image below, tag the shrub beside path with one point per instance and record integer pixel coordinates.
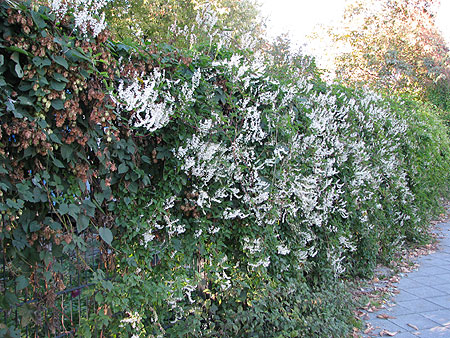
(422, 306)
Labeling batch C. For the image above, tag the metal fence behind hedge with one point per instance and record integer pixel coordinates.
(44, 310)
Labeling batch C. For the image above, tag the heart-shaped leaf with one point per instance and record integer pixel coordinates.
(106, 235)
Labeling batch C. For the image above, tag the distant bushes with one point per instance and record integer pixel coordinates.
(223, 203)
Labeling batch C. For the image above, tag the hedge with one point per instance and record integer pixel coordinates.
(221, 201)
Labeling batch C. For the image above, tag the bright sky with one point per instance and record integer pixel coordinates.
(299, 17)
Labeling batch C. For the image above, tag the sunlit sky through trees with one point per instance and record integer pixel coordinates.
(301, 17)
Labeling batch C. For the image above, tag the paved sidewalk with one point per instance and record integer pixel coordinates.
(424, 298)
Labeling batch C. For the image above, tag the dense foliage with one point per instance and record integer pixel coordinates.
(183, 23)
(223, 202)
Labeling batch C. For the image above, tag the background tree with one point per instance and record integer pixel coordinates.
(394, 45)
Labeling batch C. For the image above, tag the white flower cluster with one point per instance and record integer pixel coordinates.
(150, 100)
(142, 98)
(265, 262)
(134, 318)
(283, 250)
(252, 246)
(86, 13)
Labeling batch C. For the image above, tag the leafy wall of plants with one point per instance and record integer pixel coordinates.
(221, 201)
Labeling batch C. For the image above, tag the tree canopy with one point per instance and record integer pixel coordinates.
(395, 45)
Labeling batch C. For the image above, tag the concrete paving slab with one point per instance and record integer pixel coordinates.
(443, 301)
(427, 291)
(414, 319)
(445, 276)
(404, 295)
(430, 270)
(419, 306)
(442, 316)
(446, 265)
(442, 255)
(399, 310)
(409, 283)
(429, 261)
(430, 280)
(435, 332)
(434, 261)
(443, 287)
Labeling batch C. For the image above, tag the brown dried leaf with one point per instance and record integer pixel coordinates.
(369, 329)
(413, 326)
(388, 333)
(385, 316)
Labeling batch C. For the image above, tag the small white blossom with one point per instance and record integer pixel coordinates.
(133, 319)
(283, 250)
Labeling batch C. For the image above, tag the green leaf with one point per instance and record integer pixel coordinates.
(39, 62)
(66, 152)
(60, 41)
(78, 55)
(63, 209)
(11, 298)
(146, 159)
(18, 70)
(55, 138)
(99, 198)
(18, 204)
(61, 61)
(122, 168)
(42, 82)
(84, 73)
(133, 187)
(59, 77)
(54, 225)
(58, 86)
(10, 105)
(37, 18)
(47, 275)
(107, 284)
(25, 86)
(34, 226)
(82, 222)
(89, 206)
(106, 235)
(21, 283)
(15, 57)
(25, 192)
(25, 100)
(57, 104)
(39, 195)
(25, 314)
(58, 163)
(16, 50)
(42, 123)
(99, 297)
(74, 210)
